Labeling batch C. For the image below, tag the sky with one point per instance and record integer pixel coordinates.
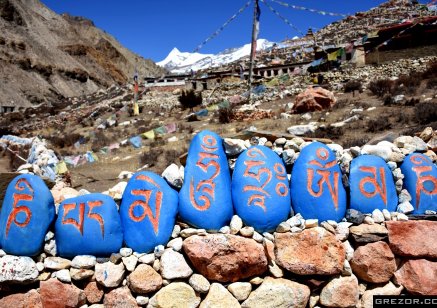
(152, 28)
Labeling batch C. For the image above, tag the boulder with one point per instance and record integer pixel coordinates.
(365, 233)
(278, 293)
(199, 283)
(94, 292)
(240, 290)
(174, 266)
(225, 257)
(260, 189)
(109, 274)
(388, 289)
(418, 276)
(412, 238)
(57, 294)
(148, 211)
(314, 251)
(205, 200)
(88, 225)
(27, 212)
(173, 176)
(313, 99)
(374, 262)
(317, 190)
(371, 185)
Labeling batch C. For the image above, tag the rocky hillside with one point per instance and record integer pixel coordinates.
(44, 56)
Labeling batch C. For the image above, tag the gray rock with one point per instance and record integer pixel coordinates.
(83, 261)
(191, 231)
(279, 293)
(404, 196)
(342, 231)
(174, 266)
(199, 283)
(173, 176)
(147, 259)
(175, 244)
(405, 207)
(382, 151)
(142, 300)
(219, 296)
(240, 290)
(173, 295)
(386, 214)
(159, 250)
(349, 251)
(304, 129)
(247, 231)
(236, 224)
(269, 236)
(289, 157)
(283, 227)
(388, 289)
(56, 263)
(354, 216)
(80, 274)
(63, 275)
(377, 216)
(340, 292)
(50, 247)
(109, 275)
(176, 231)
(225, 230)
(125, 252)
(130, 262)
(17, 269)
(233, 147)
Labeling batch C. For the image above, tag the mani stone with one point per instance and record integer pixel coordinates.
(88, 225)
(421, 182)
(317, 190)
(27, 212)
(260, 189)
(371, 185)
(148, 212)
(205, 198)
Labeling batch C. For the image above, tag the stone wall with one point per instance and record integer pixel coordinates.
(376, 57)
(255, 253)
(299, 265)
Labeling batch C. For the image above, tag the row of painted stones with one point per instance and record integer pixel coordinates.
(259, 193)
(352, 267)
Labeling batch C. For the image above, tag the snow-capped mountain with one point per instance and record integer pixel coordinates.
(178, 62)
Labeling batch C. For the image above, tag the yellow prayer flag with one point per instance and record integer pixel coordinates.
(149, 135)
(332, 56)
(61, 167)
(136, 109)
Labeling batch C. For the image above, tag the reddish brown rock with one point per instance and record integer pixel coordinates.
(225, 257)
(94, 292)
(55, 294)
(412, 238)
(144, 280)
(120, 298)
(418, 276)
(314, 251)
(374, 262)
(313, 99)
(30, 299)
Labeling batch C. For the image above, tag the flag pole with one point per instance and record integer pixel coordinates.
(255, 30)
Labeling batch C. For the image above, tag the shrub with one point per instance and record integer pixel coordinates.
(380, 124)
(190, 99)
(381, 87)
(355, 141)
(410, 82)
(150, 158)
(431, 70)
(99, 141)
(330, 132)
(388, 100)
(432, 83)
(426, 112)
(225, 115)
(352, 86)
(341, 103)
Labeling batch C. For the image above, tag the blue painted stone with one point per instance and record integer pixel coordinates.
(317, 190)
(148, 211)
(88, 225)
(421, 182)
(28, 211)
(371, 185)
(260, 189)
(205, 198)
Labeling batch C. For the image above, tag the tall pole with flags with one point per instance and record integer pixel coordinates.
(255, 31)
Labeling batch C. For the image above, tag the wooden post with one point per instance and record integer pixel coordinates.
(253, 46)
